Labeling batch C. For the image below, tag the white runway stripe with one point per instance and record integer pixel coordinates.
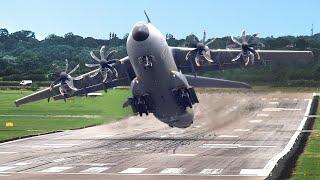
(241, 130)
(263, 115)
(250, 171)
(55, 169)
(227, 136)
(133, 171)
(22, 163)
(183, 155)
(8, 152)
(5, 168)
(172, 171)
(279, 109)
(273, 102)
(211, 171)
(255, 121)
(95, 170)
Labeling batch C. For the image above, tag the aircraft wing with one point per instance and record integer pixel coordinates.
(223, 58)
(43, 94)
(86, 83)
(205, 82)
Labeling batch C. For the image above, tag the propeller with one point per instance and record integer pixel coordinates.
(64, 78)
(247, 49)
(202, 51)
(105, 64)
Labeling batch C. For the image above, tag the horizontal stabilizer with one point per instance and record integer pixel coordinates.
(198, 81)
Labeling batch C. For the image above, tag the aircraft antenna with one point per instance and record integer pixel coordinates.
(147, 16)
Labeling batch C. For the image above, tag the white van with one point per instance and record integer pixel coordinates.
(25, 83)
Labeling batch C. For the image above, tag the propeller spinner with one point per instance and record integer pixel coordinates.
(105, 64)
(202, 51)
(247, 49)
(65, 80)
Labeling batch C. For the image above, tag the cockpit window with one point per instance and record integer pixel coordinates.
(146, 61)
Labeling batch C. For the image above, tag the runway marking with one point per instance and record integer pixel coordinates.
(60, 160)
(54, 146)
(274, 99)
(262, 146)
(138, 145)
(22, 163)
(137, 129)
(272, 162)
(55, 169)
(183, 155)
(163, 136)
(273, 102)
(104, 136)
(8, 152)
(173, 133)
(211, 171)
(233, 146)
(241, 130)
(227, 136)
(5, 168)
(263, 115)
(255, 121)
(251, 171)
(220, 146)
(95, 170)
(172, 171)
(197, 126)
(263, 99)
(133, 171)
(101, 164)
(279, 109)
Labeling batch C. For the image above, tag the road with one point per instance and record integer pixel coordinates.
(234, 136)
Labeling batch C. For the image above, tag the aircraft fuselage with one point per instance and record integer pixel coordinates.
(157, 77)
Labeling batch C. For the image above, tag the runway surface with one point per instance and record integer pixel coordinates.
(234, 136)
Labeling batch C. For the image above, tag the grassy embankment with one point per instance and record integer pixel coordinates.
(308, 165)
(39, 117)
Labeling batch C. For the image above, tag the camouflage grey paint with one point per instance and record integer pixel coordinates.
(161, 78)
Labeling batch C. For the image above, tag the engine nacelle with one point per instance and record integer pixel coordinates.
(185, 97)
(141, 102)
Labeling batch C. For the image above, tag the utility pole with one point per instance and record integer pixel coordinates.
(312, 30)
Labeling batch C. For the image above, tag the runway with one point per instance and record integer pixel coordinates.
(234, 136)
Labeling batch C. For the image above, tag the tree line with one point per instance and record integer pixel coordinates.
(22, 56)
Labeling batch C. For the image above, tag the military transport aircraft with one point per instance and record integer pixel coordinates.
(155, 72)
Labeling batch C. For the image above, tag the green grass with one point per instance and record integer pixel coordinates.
(107, 108)
(308, 165)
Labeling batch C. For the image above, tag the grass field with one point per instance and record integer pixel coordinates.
(43, 117)
(308, 165)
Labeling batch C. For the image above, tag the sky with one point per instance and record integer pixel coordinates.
(96, 18)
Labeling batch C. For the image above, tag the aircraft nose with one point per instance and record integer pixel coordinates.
(140, 32)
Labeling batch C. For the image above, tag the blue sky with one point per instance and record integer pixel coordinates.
(96, 18)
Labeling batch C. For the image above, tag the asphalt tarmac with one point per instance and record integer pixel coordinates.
(234, 136)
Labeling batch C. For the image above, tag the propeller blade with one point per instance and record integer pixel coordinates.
(115, 72)
(70, 84)
(105, 77)
(243, 36)
(74, 69)
(92, 65)
(102, 52)
(210, 42)
(110, 54)
(204, 37)
(254, 36)
(197, 59)
(247, 60)
(94, 57)
(114, 61)
(207, 57)
(235, 40)
(237, 57)
(188, 54)
(95, 73)
(67, 65)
